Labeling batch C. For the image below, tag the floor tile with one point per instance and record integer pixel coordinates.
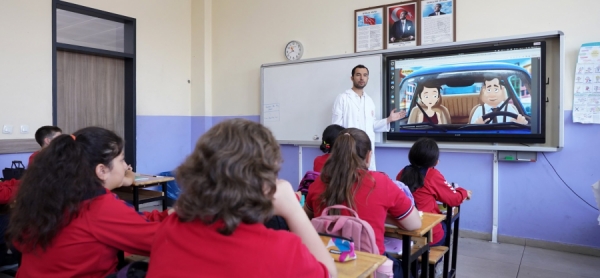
(477, 268)
(573, 264)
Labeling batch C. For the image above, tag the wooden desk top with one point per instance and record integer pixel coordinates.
(364, 265)
(429, 221)
(150, 180)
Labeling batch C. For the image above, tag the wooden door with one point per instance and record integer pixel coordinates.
(90, 92)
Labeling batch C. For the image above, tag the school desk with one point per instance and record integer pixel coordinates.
(451, 236)
(364, 265)
(428, 221)
(138, 196)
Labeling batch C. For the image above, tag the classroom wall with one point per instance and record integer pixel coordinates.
(534, 202)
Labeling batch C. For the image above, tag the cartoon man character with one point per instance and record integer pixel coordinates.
(493, 98)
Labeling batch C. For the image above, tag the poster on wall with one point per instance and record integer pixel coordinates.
(402, 25)
(586, 92)
(368, 29)
(438, 21)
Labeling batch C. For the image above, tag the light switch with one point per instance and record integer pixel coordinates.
(7, 129)
(24, 129)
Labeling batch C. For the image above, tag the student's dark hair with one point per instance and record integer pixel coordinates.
(329, 134)
(44, 132)
(423, 155)
(359, 67)
(53, 188)
(345, 166)
(230, 176)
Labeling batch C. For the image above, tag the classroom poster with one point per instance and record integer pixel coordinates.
(437, 21)
(586, 91)
(369, 30)
(402, 25)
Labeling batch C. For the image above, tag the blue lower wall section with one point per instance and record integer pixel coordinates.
(533, 201)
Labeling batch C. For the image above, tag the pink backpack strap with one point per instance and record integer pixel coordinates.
(339, 224)
(326, 210)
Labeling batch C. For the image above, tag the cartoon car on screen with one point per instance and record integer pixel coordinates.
(489, 97)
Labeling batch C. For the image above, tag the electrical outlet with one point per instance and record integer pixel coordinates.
(7, 129)
(24, 129)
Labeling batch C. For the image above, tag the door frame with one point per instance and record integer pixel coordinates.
(128, 56)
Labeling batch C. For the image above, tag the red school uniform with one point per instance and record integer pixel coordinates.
(194, 249)
(375, 199)
(436, 188)
(320, 162)
(88, 246)
(31, 157)
(7, 190)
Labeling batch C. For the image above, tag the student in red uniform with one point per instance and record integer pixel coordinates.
(428, 185)
(229, 189)
(65, 221)
(329, 134)
(43, 136)
(346, 180)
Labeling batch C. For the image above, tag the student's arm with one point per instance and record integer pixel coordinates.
(443, 190)
(337, 112)
(286, 206)
(120, 226)
(157, 216)
(7, 190)
(403, 213)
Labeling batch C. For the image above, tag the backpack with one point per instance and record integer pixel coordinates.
(307, 180)
(351, 227)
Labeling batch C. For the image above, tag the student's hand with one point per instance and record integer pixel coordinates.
(469, 193)
(129, 178)
(170, 211)
(285, 202)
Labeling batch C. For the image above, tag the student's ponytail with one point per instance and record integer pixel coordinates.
(345, 167)
(423, 155)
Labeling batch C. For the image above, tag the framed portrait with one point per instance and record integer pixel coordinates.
(403, 25)
(438, 21)
(368, 29)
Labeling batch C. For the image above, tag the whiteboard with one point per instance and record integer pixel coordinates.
(297, 98)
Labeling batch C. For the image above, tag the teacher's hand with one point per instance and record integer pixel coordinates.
(394, 116)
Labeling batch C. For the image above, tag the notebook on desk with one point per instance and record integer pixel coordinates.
(141, 178)
(393, 245)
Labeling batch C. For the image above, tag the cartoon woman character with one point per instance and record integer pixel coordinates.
(429, 108)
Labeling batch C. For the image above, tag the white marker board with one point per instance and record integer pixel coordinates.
(297, 98)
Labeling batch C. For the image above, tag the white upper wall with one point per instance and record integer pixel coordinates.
(25, 65)
(164, 50)
(247, 34)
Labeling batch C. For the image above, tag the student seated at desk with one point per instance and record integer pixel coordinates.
(329, 135)
(65, 222)
(43, 136)
(229, 189)
(346, 180)
(428, 185)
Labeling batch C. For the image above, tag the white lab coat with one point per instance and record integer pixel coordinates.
(347, 113)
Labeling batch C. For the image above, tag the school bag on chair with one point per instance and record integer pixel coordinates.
(354, 228)
(307, 180)
(15, 171)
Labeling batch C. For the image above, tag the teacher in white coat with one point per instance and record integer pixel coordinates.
(354, 108)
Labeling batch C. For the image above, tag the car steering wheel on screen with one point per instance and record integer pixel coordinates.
(491, 115)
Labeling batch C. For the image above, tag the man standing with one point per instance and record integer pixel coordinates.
(437, 10)
(403, 29)
(354, 108)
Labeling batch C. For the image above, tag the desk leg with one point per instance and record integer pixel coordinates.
(454, 247)
(405, 256)
(425, 258)
(165, 198)
(136, 198)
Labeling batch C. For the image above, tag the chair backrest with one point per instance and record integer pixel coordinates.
(351, 227)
